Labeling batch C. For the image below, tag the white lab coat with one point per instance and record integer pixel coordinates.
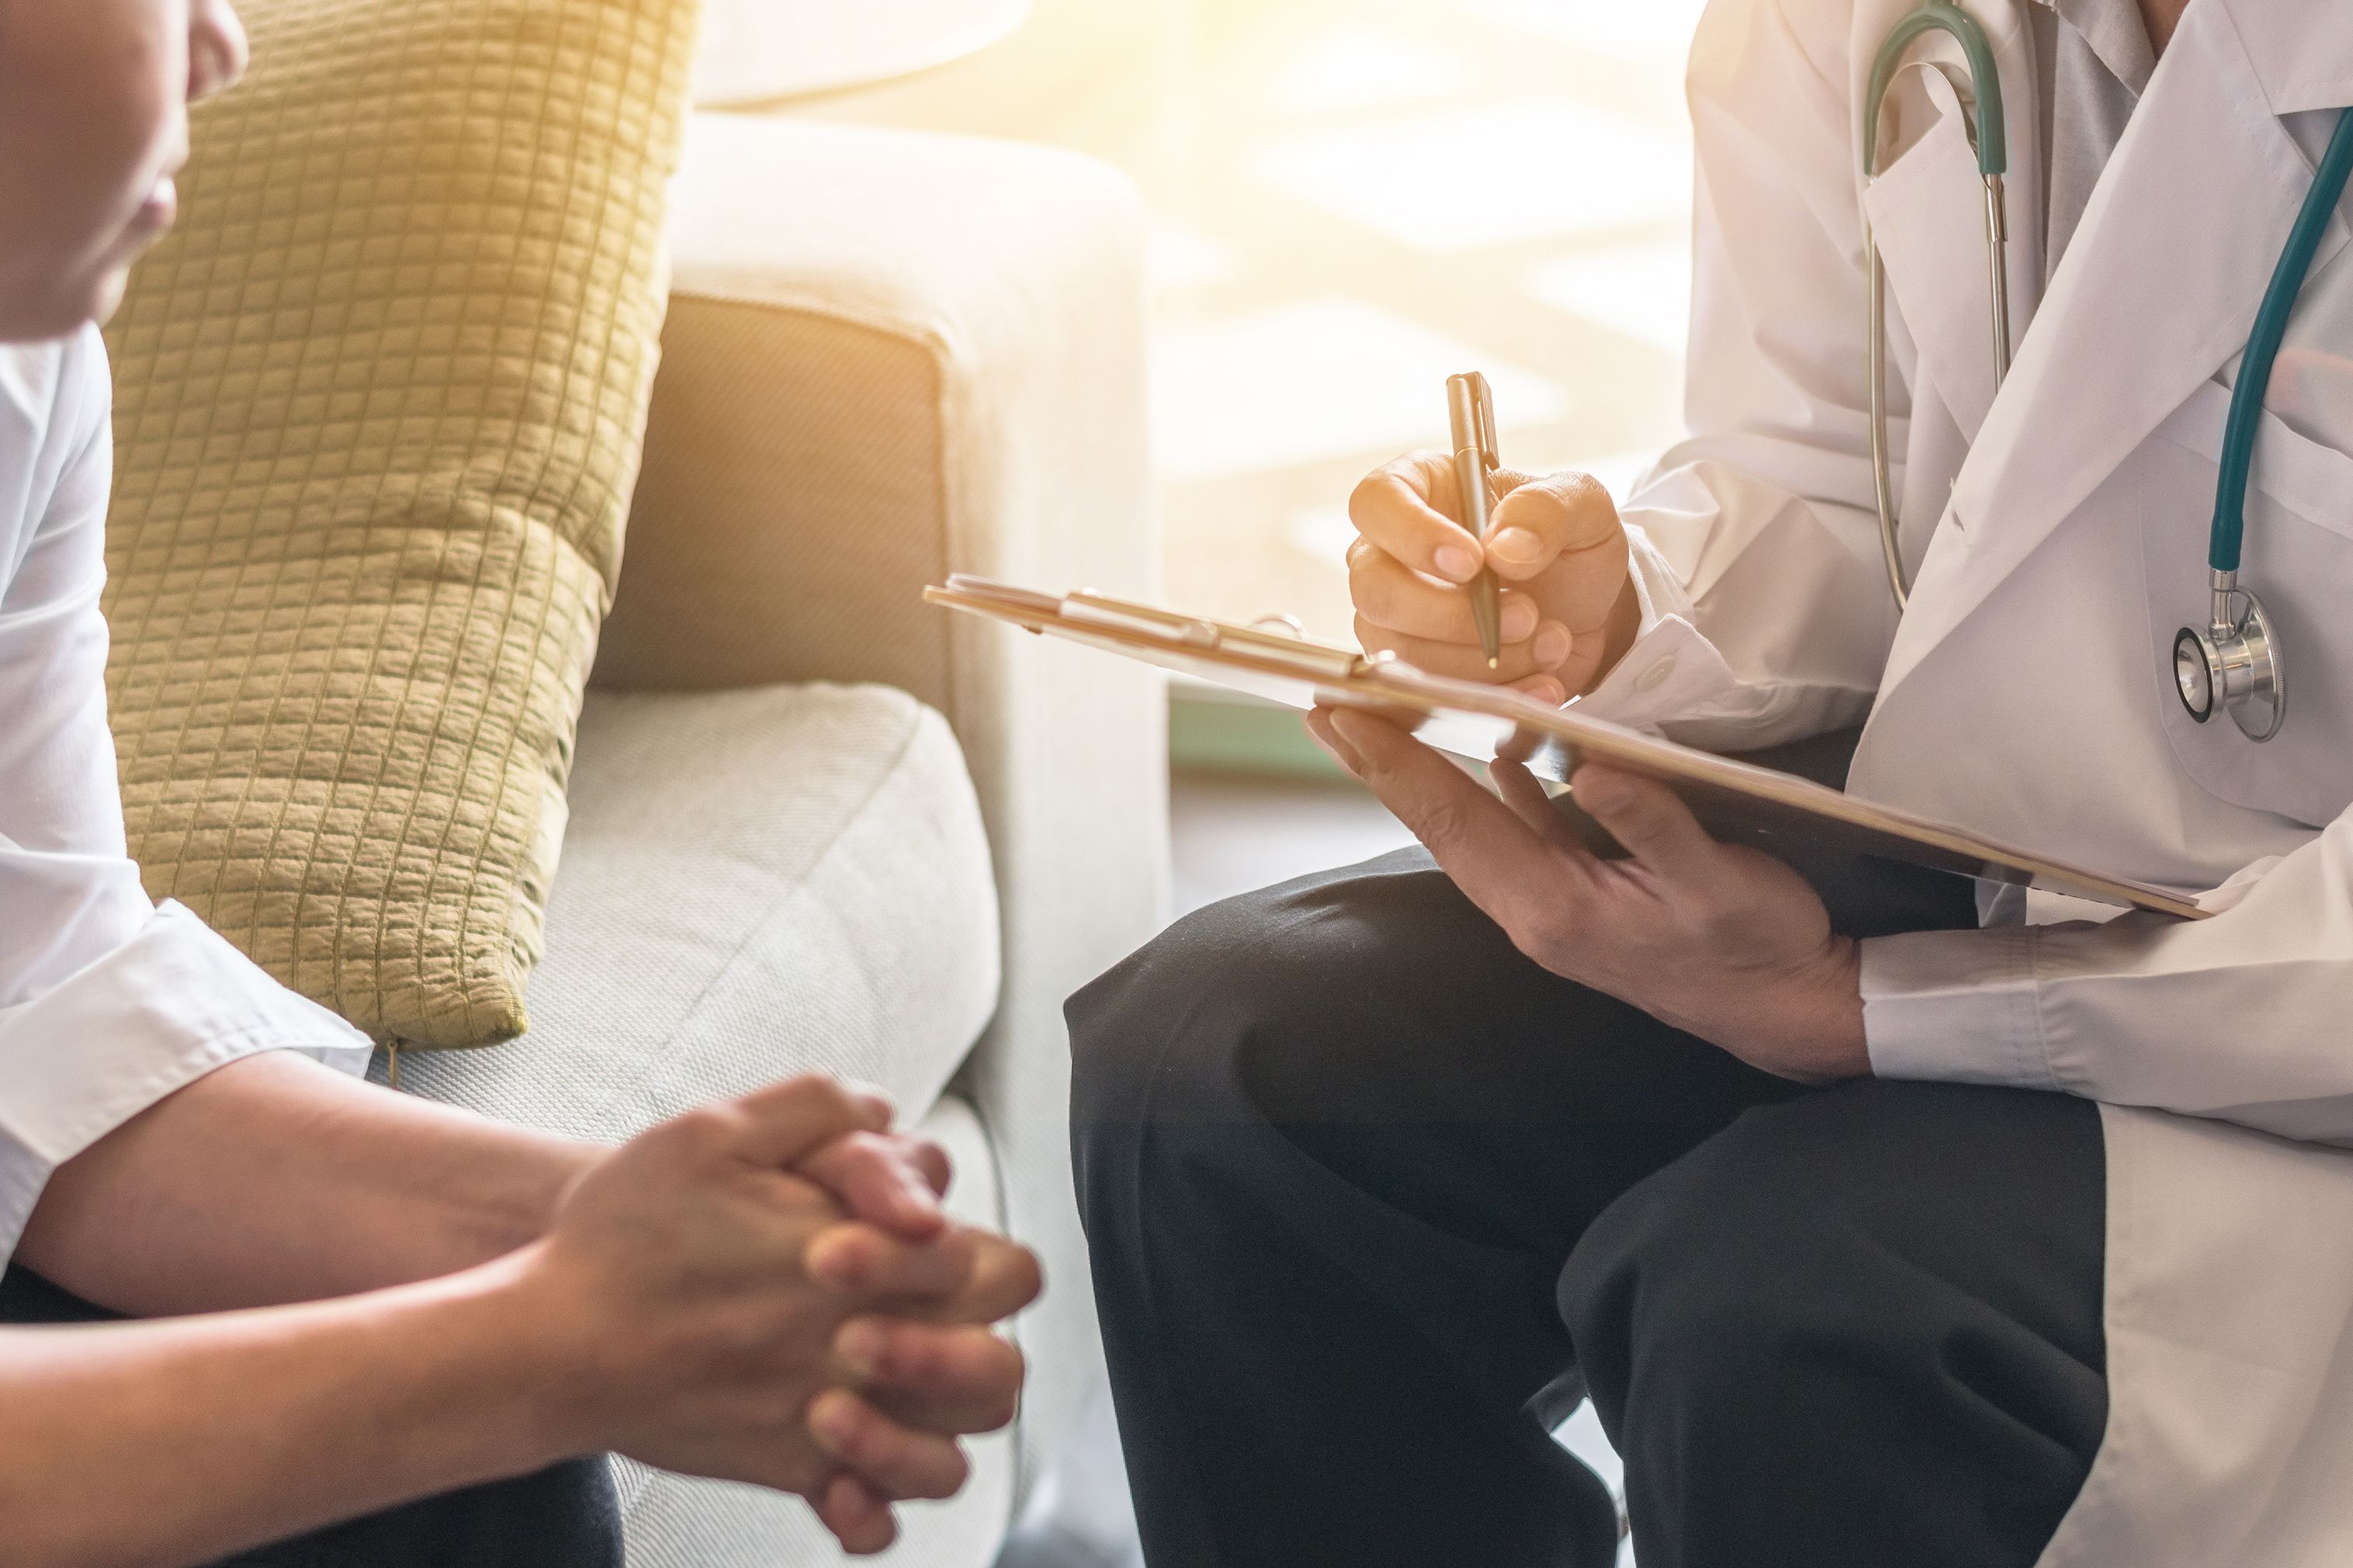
(2060, 534)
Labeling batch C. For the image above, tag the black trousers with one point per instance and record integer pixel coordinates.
(567, 1517)
(1373, 1201)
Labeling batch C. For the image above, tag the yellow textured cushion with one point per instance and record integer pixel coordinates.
(379, 406)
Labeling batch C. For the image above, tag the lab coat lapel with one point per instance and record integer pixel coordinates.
(2158, 291)
(2301, 50)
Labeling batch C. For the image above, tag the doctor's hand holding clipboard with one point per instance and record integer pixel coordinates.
(1721, 940)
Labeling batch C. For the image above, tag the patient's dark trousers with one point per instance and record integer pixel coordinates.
(567, 1517)
(1373, 1200)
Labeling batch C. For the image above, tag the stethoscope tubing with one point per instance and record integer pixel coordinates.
(1988, 130)
(2245, 422)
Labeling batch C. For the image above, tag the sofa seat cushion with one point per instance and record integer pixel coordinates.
(755, 883)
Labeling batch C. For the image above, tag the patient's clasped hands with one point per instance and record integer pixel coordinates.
(1721, 941)
(767, 1291)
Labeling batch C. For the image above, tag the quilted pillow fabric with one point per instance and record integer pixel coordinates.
(379, 406)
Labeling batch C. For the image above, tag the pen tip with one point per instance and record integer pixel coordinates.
(1494, 664)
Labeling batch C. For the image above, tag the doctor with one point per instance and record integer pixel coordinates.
(1884, 1226)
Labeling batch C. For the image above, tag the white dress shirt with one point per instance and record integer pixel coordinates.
(108, 1003)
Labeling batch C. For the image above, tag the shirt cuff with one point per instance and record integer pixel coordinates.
(1956, 1006)
(161, 1011)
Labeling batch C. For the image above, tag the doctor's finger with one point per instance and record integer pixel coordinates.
(1336, 745)
(1320, 730)
(1480, 846)
(1543, 521)
(1409, 509)
(1527, 800)
(1544, 689)
(1650, 820)
(1540, 655)
(1582, 591)
(1389, 594)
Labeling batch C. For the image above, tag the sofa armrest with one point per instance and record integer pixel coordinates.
(890, 356)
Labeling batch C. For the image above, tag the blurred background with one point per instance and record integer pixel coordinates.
(1352, 200)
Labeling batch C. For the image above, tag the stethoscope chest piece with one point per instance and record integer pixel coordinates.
(2233, 665)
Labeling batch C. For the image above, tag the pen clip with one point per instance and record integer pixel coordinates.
(1470, 406)
(1471, 410)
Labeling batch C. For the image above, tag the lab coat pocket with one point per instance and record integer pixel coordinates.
(1927, 212)
(2298, 560)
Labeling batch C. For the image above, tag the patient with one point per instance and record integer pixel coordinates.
(408, 1331)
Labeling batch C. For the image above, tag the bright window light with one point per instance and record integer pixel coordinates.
(1644, 30)
(1353, 70)
(1319, 380)
(1504, 173)
(1184, 260)
(1640, 290)
(1320, 533)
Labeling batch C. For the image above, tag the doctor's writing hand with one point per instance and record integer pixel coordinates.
(708, 1310)
(1568, 606)
(1721, 941)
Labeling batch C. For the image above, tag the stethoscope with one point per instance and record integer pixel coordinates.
(2234, 661)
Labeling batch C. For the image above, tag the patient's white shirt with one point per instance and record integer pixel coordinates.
(108, 1003)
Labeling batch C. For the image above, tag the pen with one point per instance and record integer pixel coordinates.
(1471, 409)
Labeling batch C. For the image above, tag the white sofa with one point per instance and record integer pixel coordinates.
(816, 824)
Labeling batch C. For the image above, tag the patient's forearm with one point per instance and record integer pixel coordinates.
(175, 1443)
(274, 1180)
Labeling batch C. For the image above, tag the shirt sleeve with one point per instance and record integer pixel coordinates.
(2237, 1017)
(1766, 611)
(108, 1003)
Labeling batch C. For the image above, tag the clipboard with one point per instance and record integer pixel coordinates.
(1479, 722)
